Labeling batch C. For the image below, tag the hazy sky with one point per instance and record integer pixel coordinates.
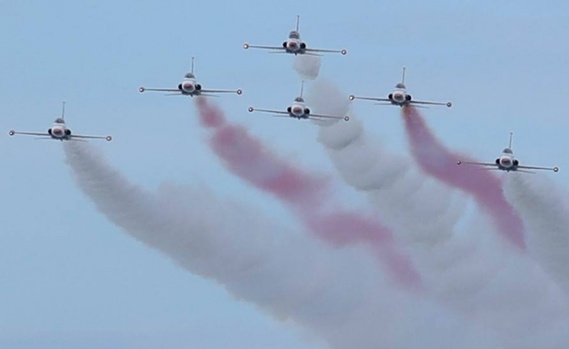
(69, 278)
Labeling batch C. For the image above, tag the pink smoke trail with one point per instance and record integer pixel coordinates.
(308, 194)
(435, 159)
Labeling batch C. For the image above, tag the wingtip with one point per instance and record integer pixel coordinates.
(245, 46)
(12, 132)
(449, 104)
(459, 162)
(239, 91)
(346, 118)
(250, 109)
(344, 52)
(351, 97)
(556, 169)
(141, 89)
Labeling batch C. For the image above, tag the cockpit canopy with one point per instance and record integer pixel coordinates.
(59, 121)
(294, 35)
(507, 151)
(400, 85)
(190, 76)
(299, 99)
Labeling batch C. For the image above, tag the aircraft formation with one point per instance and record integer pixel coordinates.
(298, 109)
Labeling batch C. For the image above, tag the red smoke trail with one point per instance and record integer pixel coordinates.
(308, 194)
(435, 159)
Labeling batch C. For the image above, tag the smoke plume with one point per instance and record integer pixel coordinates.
(307, 193)
(393, 185)
(438, 161)
(545, 211)
(307, 66)
(338, 295)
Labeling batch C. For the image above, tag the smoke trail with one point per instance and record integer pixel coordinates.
(307, 66)
(336, 294)
(252, 161)
(545, 211)
(435, 159)
(422, 210)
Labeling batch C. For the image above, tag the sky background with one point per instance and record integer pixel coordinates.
(70, 278)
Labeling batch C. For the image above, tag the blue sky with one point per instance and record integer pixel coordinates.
(70, 278)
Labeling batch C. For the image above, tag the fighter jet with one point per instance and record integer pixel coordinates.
(298, 110)
(507, 162)
(59, 131)
(399, 96)
(295, 45)
(189, 87)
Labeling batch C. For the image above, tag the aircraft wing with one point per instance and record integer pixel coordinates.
(142, 89)
(352, 97)
(221, 91)
(459, 162)
(107, 138)
(316, 50)
(448, 104)
(554, 169)
(247, 46)
(328, 117)
(279, 112)
(45, 134)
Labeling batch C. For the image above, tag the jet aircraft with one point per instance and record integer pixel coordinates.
(400, 97)
(59, 131)
(299, 110)
(507, 162)
(295, 45)
(190, 87)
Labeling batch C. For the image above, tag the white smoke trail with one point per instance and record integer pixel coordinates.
(307, 66)
(484, 279)
(393, 185)
(338, 295)
(545, 211)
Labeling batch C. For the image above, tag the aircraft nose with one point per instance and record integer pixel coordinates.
(398, 96)
(188, 86)
(297, 110)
